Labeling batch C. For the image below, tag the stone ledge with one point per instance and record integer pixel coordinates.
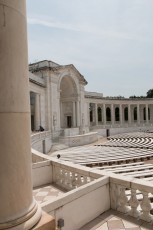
(47, 222)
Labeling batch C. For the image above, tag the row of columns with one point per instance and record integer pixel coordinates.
(120, 113)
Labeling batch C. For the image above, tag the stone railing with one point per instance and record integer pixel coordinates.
(40, 136)
(78, 140)
(81, 205)
(68, 176)
(42, 141)
(132, 197)
(37, 156)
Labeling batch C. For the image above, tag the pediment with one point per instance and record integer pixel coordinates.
(70, 70)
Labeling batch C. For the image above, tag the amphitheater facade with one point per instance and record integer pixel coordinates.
(59, 102)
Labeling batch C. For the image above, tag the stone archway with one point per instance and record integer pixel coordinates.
(68, 102)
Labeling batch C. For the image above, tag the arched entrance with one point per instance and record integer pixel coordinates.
(69, 103)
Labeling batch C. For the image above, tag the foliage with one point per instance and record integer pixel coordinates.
(150, 93)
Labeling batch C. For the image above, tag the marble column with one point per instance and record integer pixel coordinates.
(129, 114)
(138, 113)
(48, 107)
(147, 113)
(74, 114)
(88, 114)
(112, 114)
(37, 111)
(18, 209)
(96, 115)
(61, 114)
(78, 114)
(104, 114)
(121, 115)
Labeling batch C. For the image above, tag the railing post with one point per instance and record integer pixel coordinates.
(134, 204)
(123, 201)
(114, 196)
(146, 207)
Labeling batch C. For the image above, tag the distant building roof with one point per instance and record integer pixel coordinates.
(45, 64)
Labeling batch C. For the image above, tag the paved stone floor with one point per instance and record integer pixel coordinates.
(46, 192)
(112, 220)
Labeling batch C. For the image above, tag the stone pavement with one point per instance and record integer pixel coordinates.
(113, 220)
(46, 192)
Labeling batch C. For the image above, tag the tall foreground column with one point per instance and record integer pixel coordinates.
(18, 210)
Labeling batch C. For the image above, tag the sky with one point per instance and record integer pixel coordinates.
(110, 42)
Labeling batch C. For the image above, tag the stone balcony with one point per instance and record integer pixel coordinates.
(90, 193)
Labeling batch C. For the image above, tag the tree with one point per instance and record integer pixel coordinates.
(150, 93)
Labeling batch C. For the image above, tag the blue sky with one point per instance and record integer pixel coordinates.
(110, 42)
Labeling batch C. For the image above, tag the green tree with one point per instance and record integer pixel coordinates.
(150, 93)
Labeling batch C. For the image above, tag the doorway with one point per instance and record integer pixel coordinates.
(69, 121)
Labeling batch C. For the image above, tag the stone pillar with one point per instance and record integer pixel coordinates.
(96, 115)
(74, 114)
(138, 113)
(78, 114)
(104, 114)
(147, 113)
(48, 107)
(121, 115)
(112, 114)
(18, 209)
(88, 114)
(37, 111)
(129, 114)
(61, 114)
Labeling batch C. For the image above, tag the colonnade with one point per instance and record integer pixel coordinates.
(128, 113)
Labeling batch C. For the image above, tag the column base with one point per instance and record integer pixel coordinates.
(25, 223)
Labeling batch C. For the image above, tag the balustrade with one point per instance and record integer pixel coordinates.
(40, 136)
(133, 202)
(68, 178)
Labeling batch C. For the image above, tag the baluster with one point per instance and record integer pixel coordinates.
(57, 176)
(73, 180)
(134, 203)
(123, 201)
(69, 180)
(146, 207)
(79, 180)
(85, 180)
(64, 179)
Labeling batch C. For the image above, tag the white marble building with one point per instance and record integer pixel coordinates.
(59, 102)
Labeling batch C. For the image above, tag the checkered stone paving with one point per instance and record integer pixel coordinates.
(46, 193)
(112, 220)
